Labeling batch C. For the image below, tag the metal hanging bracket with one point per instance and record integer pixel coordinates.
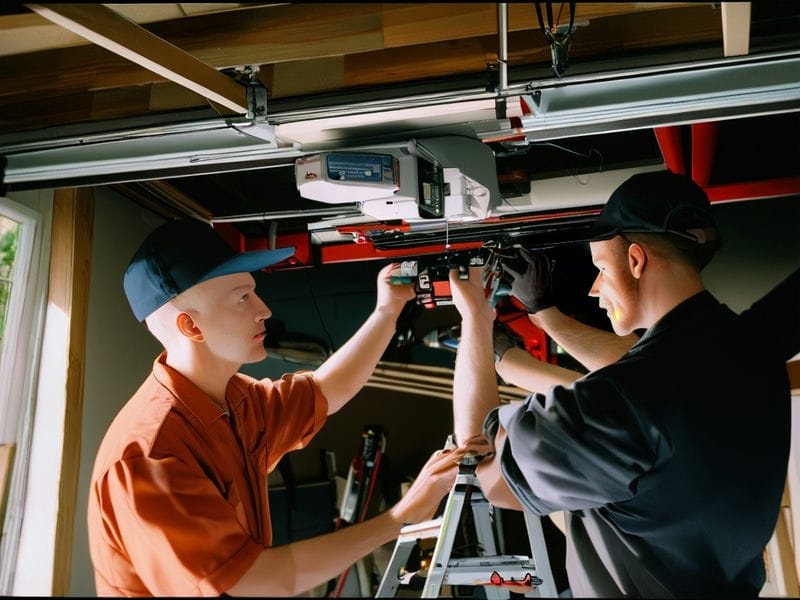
(258, 126)
(558, 36)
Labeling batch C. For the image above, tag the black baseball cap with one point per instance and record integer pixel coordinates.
(658, 202)
(180, 254)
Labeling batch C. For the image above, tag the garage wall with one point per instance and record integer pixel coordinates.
(119, 352)
(761, 246)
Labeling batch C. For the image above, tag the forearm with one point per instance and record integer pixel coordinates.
(346, 371)
(475, 390)
(490, 476)
(286, 571)
(519, 368)
(592, 347)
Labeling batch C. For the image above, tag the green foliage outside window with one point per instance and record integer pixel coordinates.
(9, 232)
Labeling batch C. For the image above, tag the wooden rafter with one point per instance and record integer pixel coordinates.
(107, 29)
(307, 48)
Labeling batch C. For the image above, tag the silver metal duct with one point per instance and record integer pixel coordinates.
(568, 106)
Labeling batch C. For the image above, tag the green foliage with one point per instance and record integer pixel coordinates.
(8, 246)
(8, 252)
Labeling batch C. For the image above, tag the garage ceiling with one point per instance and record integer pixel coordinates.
(203, 109)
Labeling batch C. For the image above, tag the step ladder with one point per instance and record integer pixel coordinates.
(500, 574)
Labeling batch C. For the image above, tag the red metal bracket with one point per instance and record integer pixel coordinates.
(241, 243)
(534, 338)
(366, 251)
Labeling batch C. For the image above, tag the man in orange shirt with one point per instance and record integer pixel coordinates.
(178, 503)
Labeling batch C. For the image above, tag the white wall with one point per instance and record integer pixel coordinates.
(119, 351)
(760, 246)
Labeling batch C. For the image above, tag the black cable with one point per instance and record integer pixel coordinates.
(265, 232)
(544, 29)
(319, 312)
(558, 42)
(575, 152)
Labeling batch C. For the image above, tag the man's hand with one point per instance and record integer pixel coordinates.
(469, 295)
(479, 446)
(434, 481)
(534, 287)
(502, 342)
(393, 296)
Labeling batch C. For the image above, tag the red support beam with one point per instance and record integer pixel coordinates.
(750, 190)
(300, 242)
(704, 145)
(241, 243)
(670, 142)
(366, 251)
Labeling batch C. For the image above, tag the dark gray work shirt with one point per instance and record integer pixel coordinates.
(670, 463)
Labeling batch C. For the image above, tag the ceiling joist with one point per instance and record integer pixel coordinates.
(301, 50)
(103, 27)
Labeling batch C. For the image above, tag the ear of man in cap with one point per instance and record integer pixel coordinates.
(180, 254)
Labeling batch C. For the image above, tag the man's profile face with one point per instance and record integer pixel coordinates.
(615, 287)
(231, 317)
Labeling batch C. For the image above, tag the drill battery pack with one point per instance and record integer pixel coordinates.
(431, 275)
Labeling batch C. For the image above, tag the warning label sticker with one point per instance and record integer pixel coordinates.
(362, 167)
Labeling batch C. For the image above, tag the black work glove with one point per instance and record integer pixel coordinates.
(503, 341)
(533, 288)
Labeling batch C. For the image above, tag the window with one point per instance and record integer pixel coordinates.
(9, 234)
(9, 237)
(22, 295)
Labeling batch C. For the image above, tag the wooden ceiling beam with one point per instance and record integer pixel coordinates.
(107, 29)
(306, 32)
(314, 48)
(29, 32)
(408, 24)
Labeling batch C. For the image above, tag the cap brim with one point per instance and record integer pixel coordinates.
(249, 262)
(580, 235)
(598, 233)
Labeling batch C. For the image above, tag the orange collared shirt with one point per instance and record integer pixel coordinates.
(178, 502)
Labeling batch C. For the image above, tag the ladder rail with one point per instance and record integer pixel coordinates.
(540, 555)
(465, 491)
(444, 544)
(443, 570)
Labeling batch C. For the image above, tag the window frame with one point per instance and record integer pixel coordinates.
(19, 361)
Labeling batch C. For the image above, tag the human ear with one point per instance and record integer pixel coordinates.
(188, 328)
(637, 259)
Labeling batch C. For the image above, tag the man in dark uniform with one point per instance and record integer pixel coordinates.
(669, 462)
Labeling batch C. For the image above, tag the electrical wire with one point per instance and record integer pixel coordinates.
(559, 42)
(589, 154)
(269, 231)
(576, 176)
(319, 312)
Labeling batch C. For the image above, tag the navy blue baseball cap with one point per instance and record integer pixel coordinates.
(658, 202)
(179, 255)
